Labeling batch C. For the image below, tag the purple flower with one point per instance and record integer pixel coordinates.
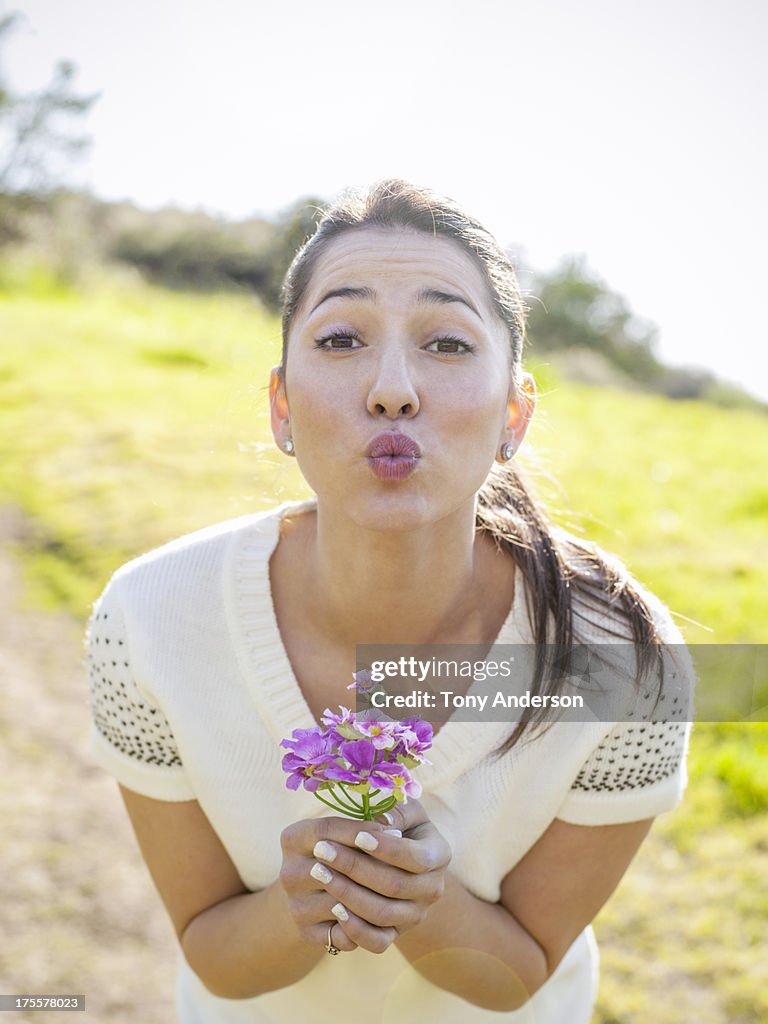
(383, 735)
(311, 750)
(362, 681)
(354, 762)
(340, 727)
(308, 743)
(330, 718)
(397, 779)
(414, 737)
(360, 754)
(422, 731)
(364, 753)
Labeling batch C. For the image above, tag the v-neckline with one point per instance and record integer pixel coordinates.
(270, 676)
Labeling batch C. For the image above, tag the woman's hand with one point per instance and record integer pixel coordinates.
(381, 879)
(309, 902)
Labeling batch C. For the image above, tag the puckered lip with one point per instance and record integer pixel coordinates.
(393, 443)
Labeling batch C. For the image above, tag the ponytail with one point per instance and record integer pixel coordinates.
(557, 569)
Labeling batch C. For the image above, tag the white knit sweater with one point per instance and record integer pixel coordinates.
(192, 691)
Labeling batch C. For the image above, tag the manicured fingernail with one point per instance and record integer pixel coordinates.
(324, 851)
(366, 841)
(321, 873)
(393, 832)
(340, 911)
(389, 818)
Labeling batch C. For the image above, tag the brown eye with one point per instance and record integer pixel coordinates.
(452, 346)
(339, 342)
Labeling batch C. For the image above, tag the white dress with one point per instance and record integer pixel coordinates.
(192, 692)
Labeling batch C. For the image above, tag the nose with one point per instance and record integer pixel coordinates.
(392, 392)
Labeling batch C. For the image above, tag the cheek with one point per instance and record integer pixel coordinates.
(312, 402)
(317, 416)
(325, 430)
(481, 409)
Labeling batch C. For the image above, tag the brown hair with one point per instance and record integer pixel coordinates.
(556, 566)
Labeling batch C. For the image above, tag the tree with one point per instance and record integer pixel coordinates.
(294, 226)
(185, 249)
(572, 308)
(35, 129)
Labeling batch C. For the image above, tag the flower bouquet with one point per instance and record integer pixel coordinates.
(359, 764)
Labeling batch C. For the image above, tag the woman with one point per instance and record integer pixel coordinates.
(400, 388)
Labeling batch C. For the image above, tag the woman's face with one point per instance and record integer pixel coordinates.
(397, 334)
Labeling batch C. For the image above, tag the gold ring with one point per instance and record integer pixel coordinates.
(329, 946)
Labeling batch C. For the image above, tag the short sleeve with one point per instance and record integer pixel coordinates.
(638, 769)
(130, 736)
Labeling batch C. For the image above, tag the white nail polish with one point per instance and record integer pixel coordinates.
(340, 911)
(321, 873)
(389, 818)
(324, 851)
(393, 832)
(366, 841)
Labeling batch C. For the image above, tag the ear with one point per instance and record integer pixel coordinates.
(278, 406)
(520, 409)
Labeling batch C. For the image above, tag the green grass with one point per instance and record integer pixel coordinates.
(130, 415)
(674, 489)
(683, 939)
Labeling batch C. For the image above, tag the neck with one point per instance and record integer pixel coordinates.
(440, 583)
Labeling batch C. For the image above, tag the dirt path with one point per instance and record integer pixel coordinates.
(78, 913)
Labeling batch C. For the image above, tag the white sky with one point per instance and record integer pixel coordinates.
(632, 132)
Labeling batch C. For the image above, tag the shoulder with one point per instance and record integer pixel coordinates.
(193, 563)
(189, 545)
(258, 531)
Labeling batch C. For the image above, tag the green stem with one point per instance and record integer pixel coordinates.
(338, 807)
(385, 805)
(350, 800)
(367, 816)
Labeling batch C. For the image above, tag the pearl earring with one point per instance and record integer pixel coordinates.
(287, 446)
(507, 451)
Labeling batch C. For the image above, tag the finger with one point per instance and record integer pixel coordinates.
(301, 836)
(300, 878)
(371, 906)
(404, 816)
(428, 847)
(362, 933)
(312, 914)
(423, 848)
(412, 820)
(381, 874)
(339, 938)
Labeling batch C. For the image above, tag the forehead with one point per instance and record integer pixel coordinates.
(401, 257)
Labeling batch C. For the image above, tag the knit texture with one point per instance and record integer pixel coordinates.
(192, 691)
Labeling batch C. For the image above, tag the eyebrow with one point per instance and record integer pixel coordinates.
(347, 293)
(435, 295)
(424, 296)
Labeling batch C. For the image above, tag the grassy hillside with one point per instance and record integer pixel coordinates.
(675, 489)
(130, 415)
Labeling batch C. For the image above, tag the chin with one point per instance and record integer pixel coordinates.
(394, 513)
